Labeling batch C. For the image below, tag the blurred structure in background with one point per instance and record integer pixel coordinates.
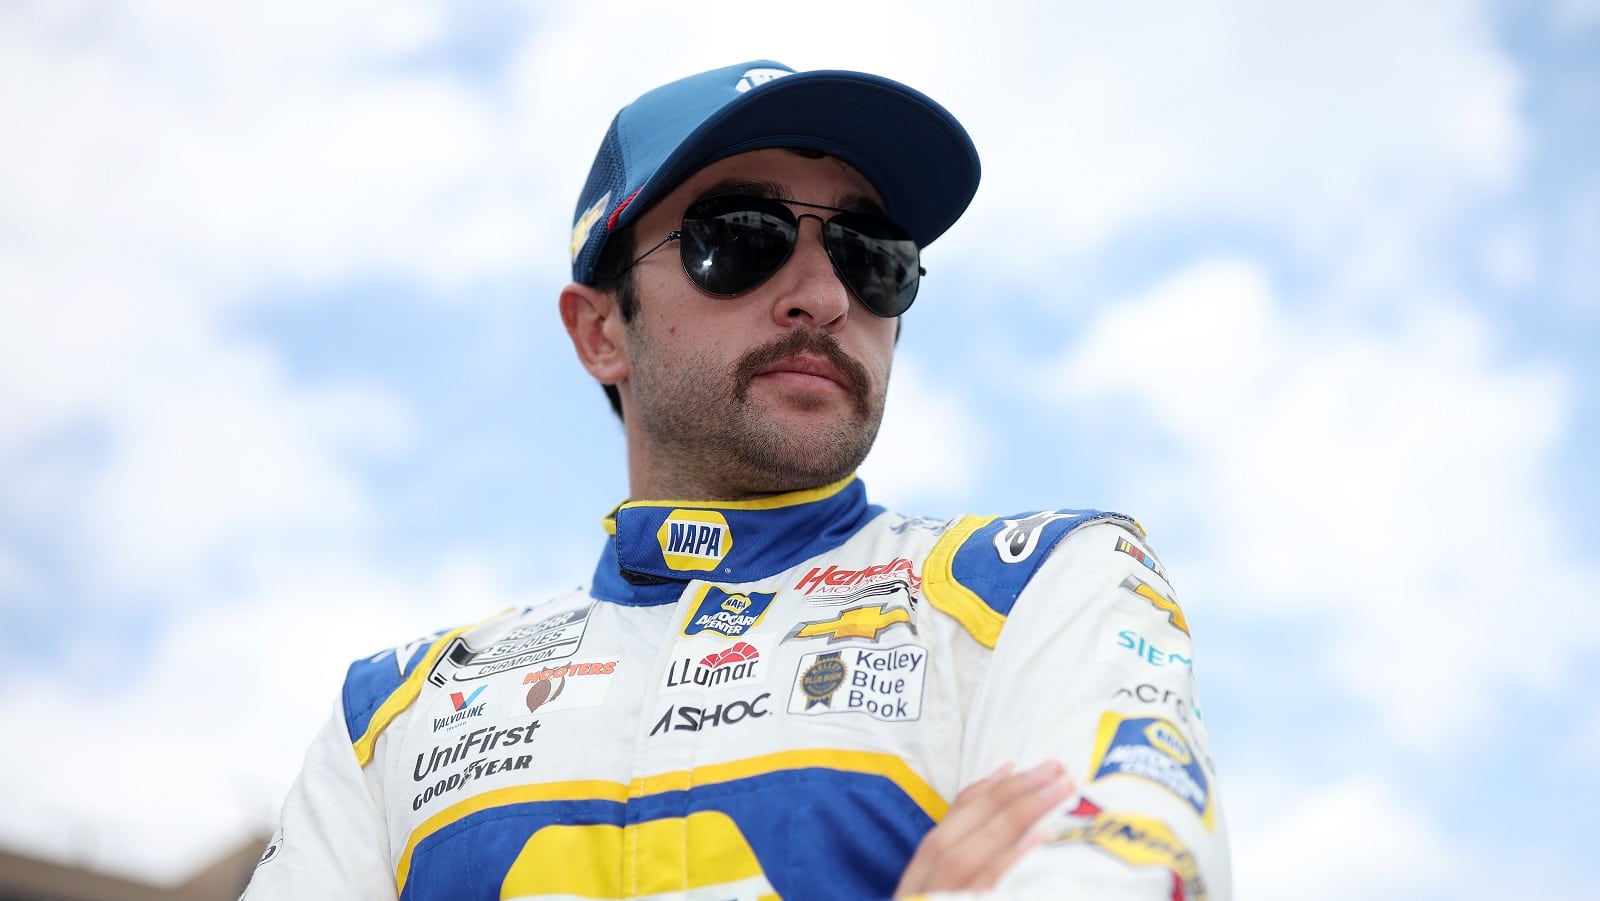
(25, 878)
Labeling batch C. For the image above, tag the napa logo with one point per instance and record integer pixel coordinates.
(1152, 749)
(694, 540)
(727, 613)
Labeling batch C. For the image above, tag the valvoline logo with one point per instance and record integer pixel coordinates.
(464, 706)
(694, 540)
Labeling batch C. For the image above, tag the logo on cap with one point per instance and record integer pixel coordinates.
(585, 223)
(754, 78)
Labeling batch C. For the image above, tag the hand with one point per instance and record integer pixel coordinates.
(986, 830)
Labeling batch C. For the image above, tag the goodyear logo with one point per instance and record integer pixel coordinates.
(1152, 749)
(727, 613)
(694, 539)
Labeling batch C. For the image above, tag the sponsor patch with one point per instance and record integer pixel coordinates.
(691, 718)
(446, 768)
(883, 683)
(465, 706)
(1138, 841)
(727, 614)
(1159, 601)
(1152, 749)
(694, 540)
(1131, 642)
(555, 637)
(585, 224)
(835, 580)
(867, 621)
(1020, 537)
(735, 664)
(477, 743)
(922, 524)
(1145, 693)
(568, 685)
(1143, 556)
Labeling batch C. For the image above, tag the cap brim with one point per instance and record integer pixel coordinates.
(908, 146)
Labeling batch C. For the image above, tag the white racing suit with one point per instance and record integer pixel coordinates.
(773, 698)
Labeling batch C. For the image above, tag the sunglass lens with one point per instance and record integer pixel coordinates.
(728, 248)
(877, 259)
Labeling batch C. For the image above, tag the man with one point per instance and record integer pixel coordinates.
(774, 688)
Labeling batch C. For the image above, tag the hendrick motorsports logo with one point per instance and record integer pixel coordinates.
(884, 683)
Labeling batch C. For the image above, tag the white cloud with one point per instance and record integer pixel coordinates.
(193, 752)
(930, 447)
(1341, 128)
(1388, 483)
(1357, 838)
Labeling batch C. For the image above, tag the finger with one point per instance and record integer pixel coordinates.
(1007, 833)
(922, 871)
(981, 835)
(1022, 831)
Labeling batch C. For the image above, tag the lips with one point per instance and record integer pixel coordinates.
(804, 364)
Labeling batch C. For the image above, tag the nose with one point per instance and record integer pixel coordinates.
(808, 290)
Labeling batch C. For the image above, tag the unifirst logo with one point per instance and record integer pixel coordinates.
(694, 539)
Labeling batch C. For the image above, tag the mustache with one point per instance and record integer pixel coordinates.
(795, 343)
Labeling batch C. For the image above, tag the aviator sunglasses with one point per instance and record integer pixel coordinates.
(733, 242)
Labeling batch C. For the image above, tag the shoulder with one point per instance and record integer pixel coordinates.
(379, 688)
(981, 564)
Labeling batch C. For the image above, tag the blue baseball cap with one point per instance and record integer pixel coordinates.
(909, 147)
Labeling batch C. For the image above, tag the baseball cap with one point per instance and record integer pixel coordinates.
(908, 146)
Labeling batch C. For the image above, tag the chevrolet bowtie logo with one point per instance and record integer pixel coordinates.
(858, 622)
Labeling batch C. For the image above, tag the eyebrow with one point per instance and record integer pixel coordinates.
(853, 201)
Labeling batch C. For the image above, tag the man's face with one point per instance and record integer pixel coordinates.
(778, 389)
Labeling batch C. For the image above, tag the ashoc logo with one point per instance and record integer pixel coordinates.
(684, 718)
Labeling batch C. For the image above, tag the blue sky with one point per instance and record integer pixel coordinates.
(1311, 289)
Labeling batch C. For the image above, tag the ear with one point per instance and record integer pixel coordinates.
(595, 326)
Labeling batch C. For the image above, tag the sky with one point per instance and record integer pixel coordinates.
(1311, 289)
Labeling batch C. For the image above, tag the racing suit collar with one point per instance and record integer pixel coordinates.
(658, 546)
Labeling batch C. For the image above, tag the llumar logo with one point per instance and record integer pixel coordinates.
(694, 539)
